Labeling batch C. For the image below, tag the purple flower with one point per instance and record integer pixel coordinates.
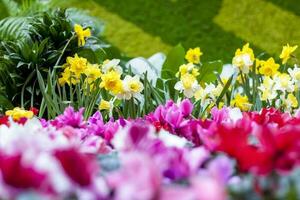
(111, 128)
(208, 188)
(70, 118)
(95, 124)
(221, 168)
(221, 115)
(174, 116)
(186, 107)
(139, 178)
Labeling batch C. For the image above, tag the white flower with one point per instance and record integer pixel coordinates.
(295, 74)
(188, 84)
(132, 87)
(283, 83)
(243, 62)
(208, 94)
(235, 114)
(189, 91)
(268, 89)
(113, 64)
(172, 140)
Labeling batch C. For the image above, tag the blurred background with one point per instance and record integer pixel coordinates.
(144, 27)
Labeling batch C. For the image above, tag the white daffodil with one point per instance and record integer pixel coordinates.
(268, 89)
(109, 65)
(132, 87)
(188, 84)
(295, 74)
(243, 59)
(243, 62)
(284, 83)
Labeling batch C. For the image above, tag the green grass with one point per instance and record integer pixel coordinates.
(143, 27)
(262, 23)
(187, 22)
(289, 5)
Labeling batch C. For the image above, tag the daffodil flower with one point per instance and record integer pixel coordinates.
(132, 87)
(81, 34)
(113, 64)
(287, 52)
(295, 74)
(193, 55)
(188, 84)
(112, 82)
(242, 102)
(243, 59)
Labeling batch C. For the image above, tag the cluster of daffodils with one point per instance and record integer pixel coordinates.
(106, 76)
(277, 85)
(77, 67)
(254, 79)
(188, 79)
(129, 87)
(188, 83)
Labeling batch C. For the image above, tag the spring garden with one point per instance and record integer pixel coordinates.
(83, 118)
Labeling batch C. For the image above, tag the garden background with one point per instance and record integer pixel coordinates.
(142, 28)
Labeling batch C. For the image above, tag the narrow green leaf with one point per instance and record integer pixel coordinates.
(226, 87)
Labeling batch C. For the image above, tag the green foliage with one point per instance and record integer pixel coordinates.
(174, 59)
(209, 70)
(50, 39)
(14, 28)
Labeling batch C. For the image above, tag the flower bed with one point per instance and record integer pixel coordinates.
(165, 155)
(167, 127)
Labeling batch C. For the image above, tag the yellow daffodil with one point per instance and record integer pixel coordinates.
(269, 67)
(77, 65)
(241, 102)
(193, 55)
(18, 113)
(68, 77)
(286, 53)
(289, 102)
(188, 68)
(243, 59)
(92, 72)
(81, 34)
(195, 72)
(111, 82)
(292, 100)
(104, 105)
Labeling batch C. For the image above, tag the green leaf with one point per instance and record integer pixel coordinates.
(226, 87)
(174, 59)
(208, 70)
